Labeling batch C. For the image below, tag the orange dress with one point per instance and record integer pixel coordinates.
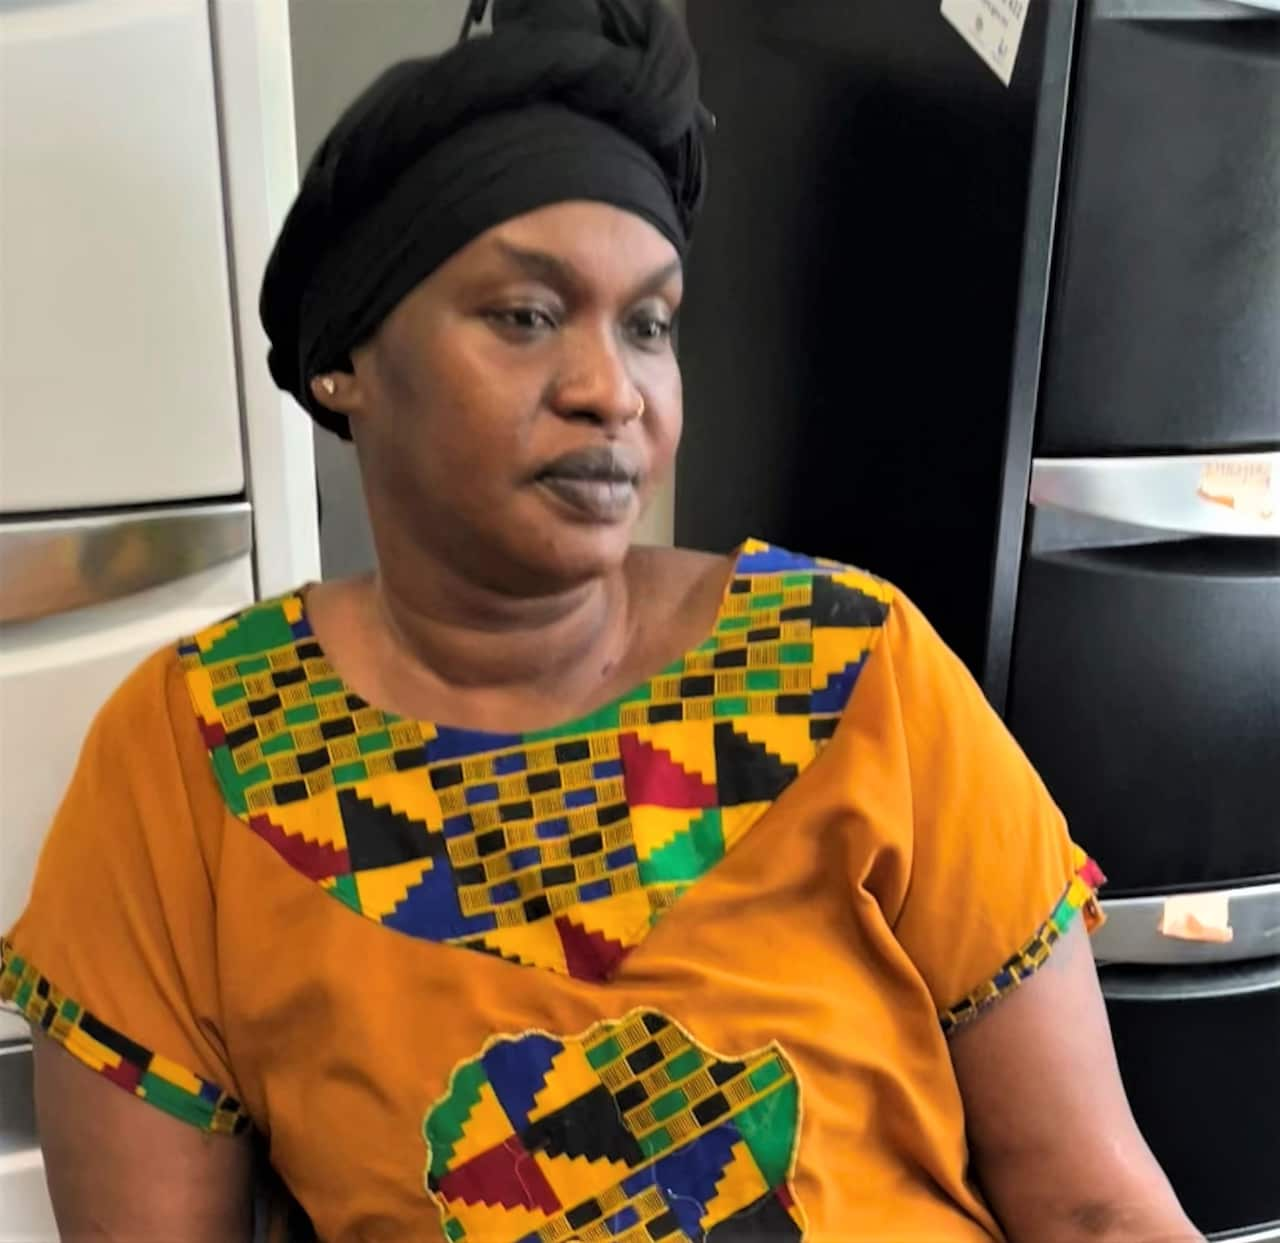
(682, 969)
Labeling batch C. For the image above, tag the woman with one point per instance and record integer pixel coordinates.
(540, 887)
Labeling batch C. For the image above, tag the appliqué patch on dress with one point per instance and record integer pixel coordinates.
(560, 848)
(631, 1131)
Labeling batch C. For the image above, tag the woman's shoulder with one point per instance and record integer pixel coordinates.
(758, 566)
(193, 677)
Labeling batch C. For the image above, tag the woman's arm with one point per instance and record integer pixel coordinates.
(1053, 1143)
(121, 1170)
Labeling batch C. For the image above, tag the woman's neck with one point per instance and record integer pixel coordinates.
(435, 645)
(471, 638)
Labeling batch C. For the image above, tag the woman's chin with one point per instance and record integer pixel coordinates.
(566, 549)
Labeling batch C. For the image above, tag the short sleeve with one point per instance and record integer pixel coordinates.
(115, 955)
(995, 879)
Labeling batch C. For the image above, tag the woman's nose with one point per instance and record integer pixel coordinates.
(595, 384)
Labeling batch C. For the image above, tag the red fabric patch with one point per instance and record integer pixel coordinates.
(126, 1075)
(212, 733)
(315, 860)
(1092, 874)
(589, 955)
(505, 1175)
(654, 779)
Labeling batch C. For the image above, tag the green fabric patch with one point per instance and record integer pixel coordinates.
(763, 1076)
(69, 1010)
(381, 741)
(608, 717)
(604, 1053)
(256, 775)
(279, 744)
(303, 714)
(346, 774)
(769, 1130)
(727, 624)
(326, 686)
(684, 1064)
(255, 664)
(454, 1229)
(797, 580)
(770, 600)
(795, 654)
(259, 630)
(689, 854)
(228, 694)
(175, 1100)
(232, 783)
(655, 1142)
(669, 1104)
(730, 705)
(763, 680)
(344, 889)
(445, 1124)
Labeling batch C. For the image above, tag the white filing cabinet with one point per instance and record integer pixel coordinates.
(152, 479)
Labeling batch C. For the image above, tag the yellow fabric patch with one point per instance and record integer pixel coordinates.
(691, 744)
(736, 821)
(171, 1072)
(414, 798)
(381, 890)
(656, 827)
(487, 1126)
(570, 1077)
(622, 917)
(740, 1185)
(316, 820)
(575, 1179)
(538, 945)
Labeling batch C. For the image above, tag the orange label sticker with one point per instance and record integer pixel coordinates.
(1247, 487)
(1197, 917)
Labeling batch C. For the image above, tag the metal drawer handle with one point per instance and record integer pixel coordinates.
(51, 566)
(1182, 10)
(1236, 494)
(1132, 936)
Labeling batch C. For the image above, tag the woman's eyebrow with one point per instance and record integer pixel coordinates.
(542, 266)
(656, 279)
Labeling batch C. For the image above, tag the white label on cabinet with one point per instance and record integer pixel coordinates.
(993, 28)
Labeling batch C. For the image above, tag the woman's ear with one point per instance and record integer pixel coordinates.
(338, 391)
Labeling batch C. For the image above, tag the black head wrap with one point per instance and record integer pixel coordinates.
(567, 99)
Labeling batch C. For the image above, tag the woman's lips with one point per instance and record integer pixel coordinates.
(597, 482)
(596, 500)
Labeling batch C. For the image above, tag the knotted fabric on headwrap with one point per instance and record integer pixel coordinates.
(567, 99)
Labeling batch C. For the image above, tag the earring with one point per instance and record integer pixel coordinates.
(329, 384)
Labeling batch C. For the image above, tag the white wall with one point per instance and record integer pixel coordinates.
(339, 46)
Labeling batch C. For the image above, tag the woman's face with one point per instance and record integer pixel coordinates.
(497, 411)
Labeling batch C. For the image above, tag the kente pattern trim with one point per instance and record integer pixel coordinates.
(1078, 899)
(101, 1048)
(556, 849)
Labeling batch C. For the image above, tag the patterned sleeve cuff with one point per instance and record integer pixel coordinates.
(1079, 898)
(144, 1074)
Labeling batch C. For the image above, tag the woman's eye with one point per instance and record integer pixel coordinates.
(522, 319)
(651, 328)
